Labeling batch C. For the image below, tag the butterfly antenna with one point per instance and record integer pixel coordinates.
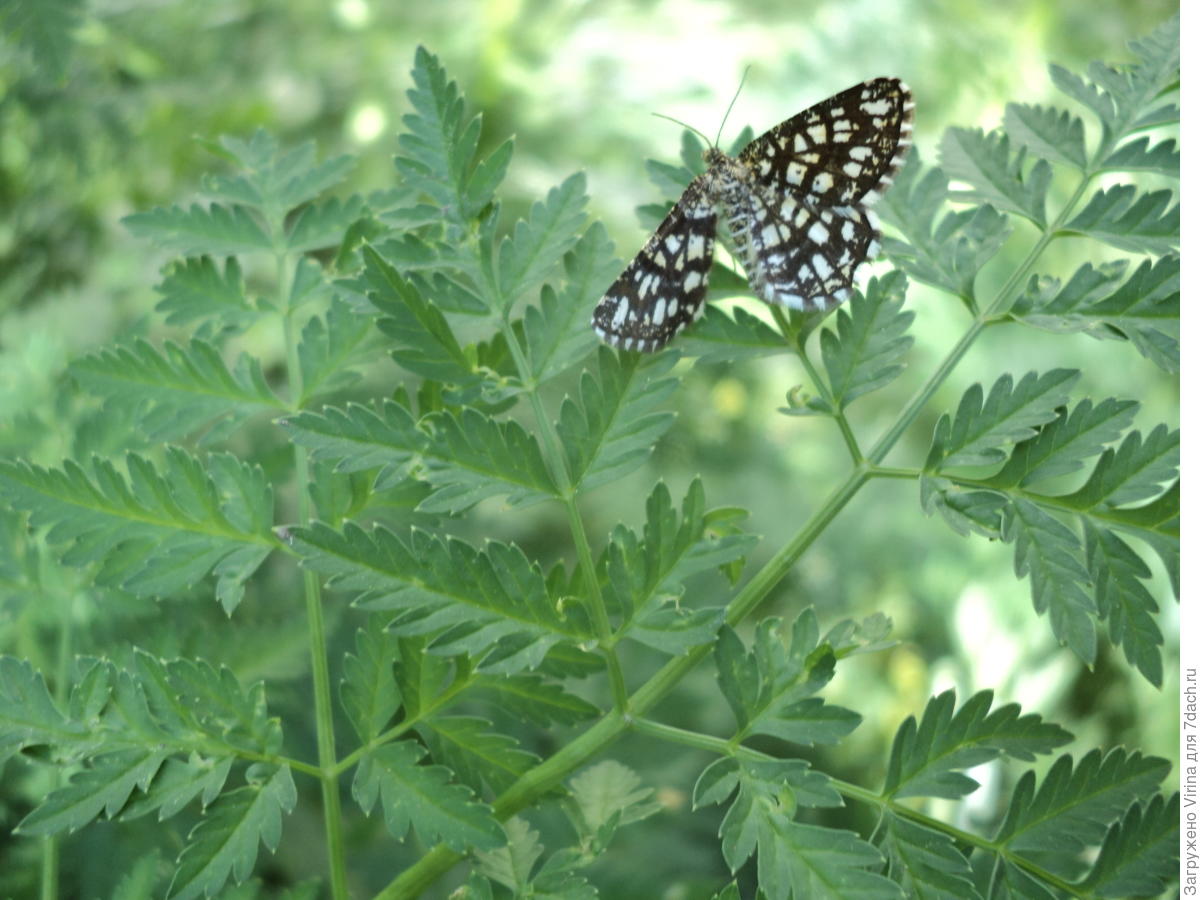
(685, 125)
(729, 108)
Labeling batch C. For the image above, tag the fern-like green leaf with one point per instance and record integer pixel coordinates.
(274, 178)
(538, 243)
(197, 290)
(177, 784)
(370, 695)
(185, 698)
(427, 344)
(779, 778)
(1061, 445)
(722, 335)
(330, 348)
(1140, 854)
(225, 842)
(927, 759)
(605, 797)
(644, 579)
(966, 511)
(1144, 309)
(358, 438)
(554, 330)
(1119, 216)
(512, 865)
(770, 687)
(1139, 156)
(471, 457)
(492, 603)
(532, 699)
(982, 432)
(609, 428)
(423, 797)
(323, 224)
(1050, 554)
(178, 390)
(478, 756)
(1049, 133)
(1132, 473)
(1123, 600)
(437, 153)
(159, 531)
(1129, 98)
(215, 230)
(28, 714)
(925, 862)
(863, 355)
(945, 249)
(103, 787)
(1074, 805)
(801, 861)
(983, 161)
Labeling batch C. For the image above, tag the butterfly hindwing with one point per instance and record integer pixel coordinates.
(663, 289)
(806, 258)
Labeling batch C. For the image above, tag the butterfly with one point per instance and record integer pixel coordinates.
(797, 205)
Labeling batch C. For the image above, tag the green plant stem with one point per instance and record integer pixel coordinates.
(534, 783)
(838, 415)
(685, 738)
(51, 848)
(594, 601)
(331, 802)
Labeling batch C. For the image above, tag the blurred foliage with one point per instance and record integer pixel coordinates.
(111, 107)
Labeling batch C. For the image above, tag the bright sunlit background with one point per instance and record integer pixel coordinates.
(144, 88)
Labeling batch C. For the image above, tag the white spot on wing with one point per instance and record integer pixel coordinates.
(618, 318)
(821, 266)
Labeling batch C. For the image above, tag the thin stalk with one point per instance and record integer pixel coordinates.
(51, 846)
(534, 783)
(322, 695)
(838, 415)
(594, 601)
(1001, 301)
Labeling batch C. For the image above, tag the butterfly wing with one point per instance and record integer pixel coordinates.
(812, 180)
(663, 289)
(843, 151)
(806, 258)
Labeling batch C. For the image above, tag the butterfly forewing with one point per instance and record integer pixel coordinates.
(796, 205)
(839, 151)
(663, 288)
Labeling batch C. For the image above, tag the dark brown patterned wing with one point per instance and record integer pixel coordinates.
(663, 289)
(844, 151)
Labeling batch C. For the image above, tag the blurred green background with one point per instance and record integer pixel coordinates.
(109, 108)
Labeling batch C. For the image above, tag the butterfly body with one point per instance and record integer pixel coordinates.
(796, 205)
